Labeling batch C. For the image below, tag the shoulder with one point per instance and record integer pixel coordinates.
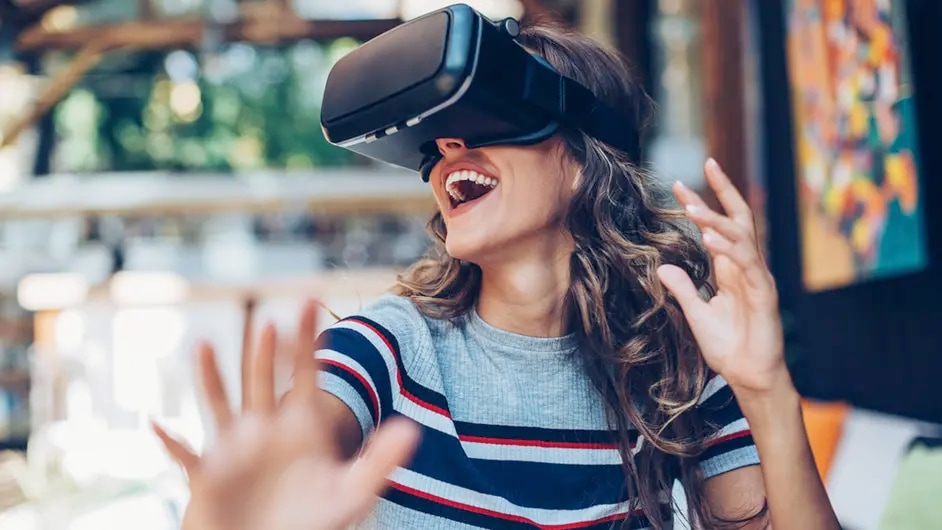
(390, 310)
(392, 320)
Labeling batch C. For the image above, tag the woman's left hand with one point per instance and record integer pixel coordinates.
(739, 330)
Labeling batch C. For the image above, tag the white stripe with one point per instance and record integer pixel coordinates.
(501, 505)
(712, 387)
(737, 426)
(352, 364)
(422, 415)
(377, 341)
(543, 455)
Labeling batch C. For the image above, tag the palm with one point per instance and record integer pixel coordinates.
(278, 465)
(738, 330)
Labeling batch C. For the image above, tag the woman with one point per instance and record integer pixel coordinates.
(557, 351)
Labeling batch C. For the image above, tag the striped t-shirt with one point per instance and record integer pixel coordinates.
(514, 435)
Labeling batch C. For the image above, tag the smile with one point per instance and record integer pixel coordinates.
(467, 185)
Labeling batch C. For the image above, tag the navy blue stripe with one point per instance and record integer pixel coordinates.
(721, 408)
(427, 506)
(421, 392)
(354, 345)
(355, 383)
(506, 432)
(535, 485)
(719, 399)
(727, 446)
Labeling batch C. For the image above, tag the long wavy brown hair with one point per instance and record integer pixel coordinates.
(637, 346)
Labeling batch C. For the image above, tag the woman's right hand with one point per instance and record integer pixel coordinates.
(277, 465)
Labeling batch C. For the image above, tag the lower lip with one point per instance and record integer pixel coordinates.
(465, 206)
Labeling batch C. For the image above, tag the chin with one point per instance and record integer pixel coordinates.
(472, 250)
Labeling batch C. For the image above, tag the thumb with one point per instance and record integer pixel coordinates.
(681, 286)
(180, 452)
(392, 446)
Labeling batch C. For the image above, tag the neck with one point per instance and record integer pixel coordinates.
(527, 295)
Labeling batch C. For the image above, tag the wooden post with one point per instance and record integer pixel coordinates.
(632, 21)
(723, 33)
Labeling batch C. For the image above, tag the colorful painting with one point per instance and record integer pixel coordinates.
(855, 141)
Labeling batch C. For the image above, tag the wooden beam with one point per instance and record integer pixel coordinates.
(723, 30)
(85, 60)
(535, 9)
(188, 33)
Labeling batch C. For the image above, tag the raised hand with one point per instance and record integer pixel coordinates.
(739, 330)
(277, 465)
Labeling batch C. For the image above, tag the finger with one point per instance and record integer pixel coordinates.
(678, 282)
(262, 381)
(179, 451)
(392, 446)
(743, 255)
(687, 196)
(705, 218)
(305, 364)
(732, 201)
(213, 388)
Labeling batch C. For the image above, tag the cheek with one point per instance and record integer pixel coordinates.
(541, 200)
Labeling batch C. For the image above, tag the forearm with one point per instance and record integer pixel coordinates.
(795, 492)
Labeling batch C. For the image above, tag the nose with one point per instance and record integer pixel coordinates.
(450, 146)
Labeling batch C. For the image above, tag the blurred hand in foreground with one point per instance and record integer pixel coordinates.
(278, 465)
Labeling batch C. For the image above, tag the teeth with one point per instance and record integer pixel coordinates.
(451, 183)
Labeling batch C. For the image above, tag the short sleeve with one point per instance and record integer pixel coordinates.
(731, 446)
(360, 359)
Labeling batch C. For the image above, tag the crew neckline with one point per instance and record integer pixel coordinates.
(565, 344)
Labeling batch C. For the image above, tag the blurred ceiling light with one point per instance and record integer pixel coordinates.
(493, 9)
(186, 100)
(51, 291)
(148, 288)
(61, 18)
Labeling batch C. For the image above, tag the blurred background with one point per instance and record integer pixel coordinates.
(164, 179)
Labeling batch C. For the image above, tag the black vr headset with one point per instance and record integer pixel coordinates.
(454, 73)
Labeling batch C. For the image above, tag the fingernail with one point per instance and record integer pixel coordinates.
(712, 163)
(709, 236)
(693, 209)
(680, 184)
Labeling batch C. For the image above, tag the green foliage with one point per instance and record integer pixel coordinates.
(243, 108)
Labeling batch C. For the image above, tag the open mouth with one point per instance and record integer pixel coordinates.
(466, 186)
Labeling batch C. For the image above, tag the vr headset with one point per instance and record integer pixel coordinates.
(453, 73)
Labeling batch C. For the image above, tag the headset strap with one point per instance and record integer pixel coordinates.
(577, 107)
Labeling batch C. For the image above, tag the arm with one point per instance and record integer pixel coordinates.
(788, 468)
(739, 333)
(787, 477)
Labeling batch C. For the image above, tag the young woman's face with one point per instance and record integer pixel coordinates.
(501, 200)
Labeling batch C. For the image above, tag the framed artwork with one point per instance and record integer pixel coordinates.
(859, 199)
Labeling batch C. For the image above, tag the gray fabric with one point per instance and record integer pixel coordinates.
(493, 377)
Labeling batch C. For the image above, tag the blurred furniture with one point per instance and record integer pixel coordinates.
(914, 499)
(824, 422)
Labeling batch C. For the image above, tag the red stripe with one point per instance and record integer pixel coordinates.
(402, 390)
(728, 437)
(507, 516)
(536, 443)
(369, 389)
